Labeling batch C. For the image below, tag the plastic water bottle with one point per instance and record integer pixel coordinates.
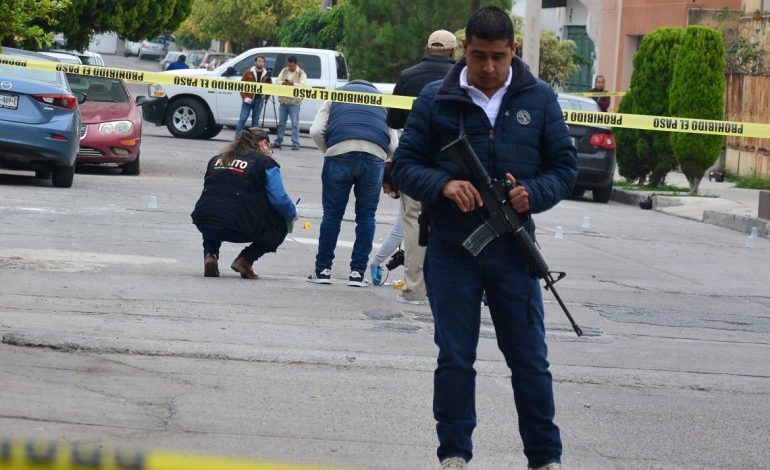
(153, 202)
(559, 232)
(754, 233)
(586, 223)
(749, 242)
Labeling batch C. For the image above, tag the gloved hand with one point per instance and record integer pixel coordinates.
(248, 100)
(290, 225)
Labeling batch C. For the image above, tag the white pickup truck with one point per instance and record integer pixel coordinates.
(198, 113)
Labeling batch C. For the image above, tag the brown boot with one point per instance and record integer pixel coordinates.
(240, 265)
(210, 266)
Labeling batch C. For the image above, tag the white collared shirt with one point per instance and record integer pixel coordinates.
(491, 106)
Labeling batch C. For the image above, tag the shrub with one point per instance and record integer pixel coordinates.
(697, 91)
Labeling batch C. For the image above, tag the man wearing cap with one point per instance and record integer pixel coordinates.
(437, 61)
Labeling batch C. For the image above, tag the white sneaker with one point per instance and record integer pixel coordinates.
(321, 277)
(357, 279)
(454, 463)
(404, 300)
(548, 466)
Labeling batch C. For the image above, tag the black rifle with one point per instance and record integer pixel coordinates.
(502, 219)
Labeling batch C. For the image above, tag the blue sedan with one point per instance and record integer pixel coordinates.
(39, 119)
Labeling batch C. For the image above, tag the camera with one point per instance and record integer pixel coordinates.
(396, 260)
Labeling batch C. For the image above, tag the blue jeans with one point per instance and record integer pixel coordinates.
(285, 111)
(252, 108)
(213, 238)
(362, 172)
(455, 281)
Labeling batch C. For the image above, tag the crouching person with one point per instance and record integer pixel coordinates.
(243, 201)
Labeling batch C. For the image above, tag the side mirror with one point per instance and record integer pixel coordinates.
(229, 72)
(141, 100)
(81, 97)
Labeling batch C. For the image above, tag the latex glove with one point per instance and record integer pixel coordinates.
(248, 100)
(290, 225)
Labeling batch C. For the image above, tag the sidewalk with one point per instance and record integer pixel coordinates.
(718, 203)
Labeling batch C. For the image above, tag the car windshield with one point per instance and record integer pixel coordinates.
(580, 105)
(98, 88)
(47, 76)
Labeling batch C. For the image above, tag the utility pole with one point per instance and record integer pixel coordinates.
(531, 44)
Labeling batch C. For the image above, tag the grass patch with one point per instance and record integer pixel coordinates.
(660, 188)
(753, 182)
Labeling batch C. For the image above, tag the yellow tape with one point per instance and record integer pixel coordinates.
(631, 121)
(669, 124)
(591, 94)
(373, 99)
(24, 455)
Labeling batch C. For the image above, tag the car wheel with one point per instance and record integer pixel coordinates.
(212, 131)
(132, 168)
(62, 176)
(187, 118)
(603, 194)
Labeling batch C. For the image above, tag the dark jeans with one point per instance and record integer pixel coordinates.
(284, 112)
(252, 108)
(362, 172)
(455, 281)
(213, 238)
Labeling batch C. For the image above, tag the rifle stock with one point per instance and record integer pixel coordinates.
(502, 219)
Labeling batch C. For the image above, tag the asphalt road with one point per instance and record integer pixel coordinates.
(110, 334)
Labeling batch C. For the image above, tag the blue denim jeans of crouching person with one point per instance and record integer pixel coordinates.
(214, 236)
(455, 281)
(362, 172)
(284, 112)
(252, 108)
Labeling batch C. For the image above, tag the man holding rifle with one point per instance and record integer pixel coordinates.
(514, 125)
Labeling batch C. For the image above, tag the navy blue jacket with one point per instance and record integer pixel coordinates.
(235, 197)
(529, 140)
(353, 121)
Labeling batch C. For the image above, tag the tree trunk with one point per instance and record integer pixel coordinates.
(694, 183)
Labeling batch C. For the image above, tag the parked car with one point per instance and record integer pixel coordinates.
(153, 48)
(39, 120)
(595, 147)
(131, 48)
(212, 60)
(199, 113)
(194, 57)
(171, 56)
(63, 57)
(88, 57)
(111, 130)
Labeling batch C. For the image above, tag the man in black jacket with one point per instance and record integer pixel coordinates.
(438, 59)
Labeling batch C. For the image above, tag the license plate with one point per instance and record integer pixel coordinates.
(9, 101)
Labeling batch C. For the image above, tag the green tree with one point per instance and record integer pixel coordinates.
(629, 165)
(321, 30)
(650, 81)
(557, 58)
(383, 37)
(697, 91)
(24, 22)
(244, 24)
(137, 19)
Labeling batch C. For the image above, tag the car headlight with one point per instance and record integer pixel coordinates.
(156, 90)
(115, 127)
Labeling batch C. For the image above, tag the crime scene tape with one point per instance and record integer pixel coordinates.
(631, 121)
(34, 455)
(592, 94)
(373, 99)
(669, 124)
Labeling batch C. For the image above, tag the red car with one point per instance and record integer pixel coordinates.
(111, 124)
